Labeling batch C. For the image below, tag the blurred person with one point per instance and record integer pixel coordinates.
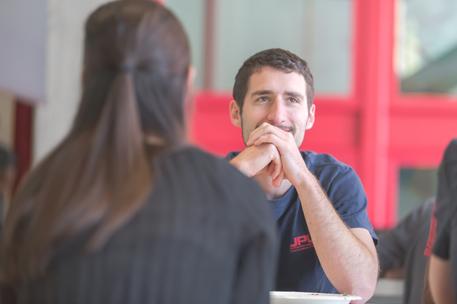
(403, 251)
(443, 262)
(7, 175)
(327, 242)
(123, 210)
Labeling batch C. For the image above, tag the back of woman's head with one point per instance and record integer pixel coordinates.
(144, 41)
(136, 62)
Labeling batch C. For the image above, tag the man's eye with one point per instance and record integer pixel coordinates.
(294, 100)
(262, 99)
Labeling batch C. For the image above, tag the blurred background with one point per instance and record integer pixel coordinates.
(385, 74)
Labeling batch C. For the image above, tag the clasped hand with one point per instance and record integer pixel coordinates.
(273, 150)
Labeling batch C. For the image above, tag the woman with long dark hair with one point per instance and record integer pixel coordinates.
(123, 210)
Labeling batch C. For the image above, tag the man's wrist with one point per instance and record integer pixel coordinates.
(305, 179)
(239, 165)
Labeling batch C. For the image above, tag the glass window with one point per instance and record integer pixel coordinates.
(192, 16)
(426, 53)
(313, 29)
(416, 186)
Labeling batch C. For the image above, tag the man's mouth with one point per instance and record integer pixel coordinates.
(287, 129)
(290, 129)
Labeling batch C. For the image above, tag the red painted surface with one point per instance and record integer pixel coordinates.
(373, 80)
(421, 127)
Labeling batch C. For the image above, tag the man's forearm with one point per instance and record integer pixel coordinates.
(347, 256)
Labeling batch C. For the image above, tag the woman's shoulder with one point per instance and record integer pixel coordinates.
(215, 174)
(199, 161)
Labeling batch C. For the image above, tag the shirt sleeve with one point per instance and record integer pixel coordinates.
(395, 243)
(346, 193)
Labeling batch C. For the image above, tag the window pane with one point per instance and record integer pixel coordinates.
(244, 27)
(192, 16)
(313, 29)
(426, 54)
(416, 186)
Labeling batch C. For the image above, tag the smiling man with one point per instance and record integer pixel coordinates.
(327, 241)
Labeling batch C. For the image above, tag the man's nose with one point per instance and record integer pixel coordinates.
(277, 112)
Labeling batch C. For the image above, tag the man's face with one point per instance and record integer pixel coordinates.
(278, 98)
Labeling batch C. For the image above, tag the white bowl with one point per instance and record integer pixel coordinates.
(292, 297)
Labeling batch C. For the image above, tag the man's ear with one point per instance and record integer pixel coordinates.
(189, 98)
(191, 73)
(235, 113)
(311, 117)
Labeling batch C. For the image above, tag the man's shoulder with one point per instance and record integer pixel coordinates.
(231, 154)
(331, 172)
(318, 161)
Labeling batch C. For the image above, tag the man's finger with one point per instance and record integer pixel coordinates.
(276, 162)
(278, 180)
(270, 139)
(263, 129)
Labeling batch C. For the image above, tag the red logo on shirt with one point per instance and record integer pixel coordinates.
(301, 243)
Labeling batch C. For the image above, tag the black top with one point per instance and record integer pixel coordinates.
(404, 246)
(445, 245)
(446, 202)
(205, 235)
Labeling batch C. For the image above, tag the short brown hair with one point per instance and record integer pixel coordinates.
(279, 59)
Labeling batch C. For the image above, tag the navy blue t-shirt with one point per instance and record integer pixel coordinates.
(298, 267)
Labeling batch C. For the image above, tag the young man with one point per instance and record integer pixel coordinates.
(319, 203)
